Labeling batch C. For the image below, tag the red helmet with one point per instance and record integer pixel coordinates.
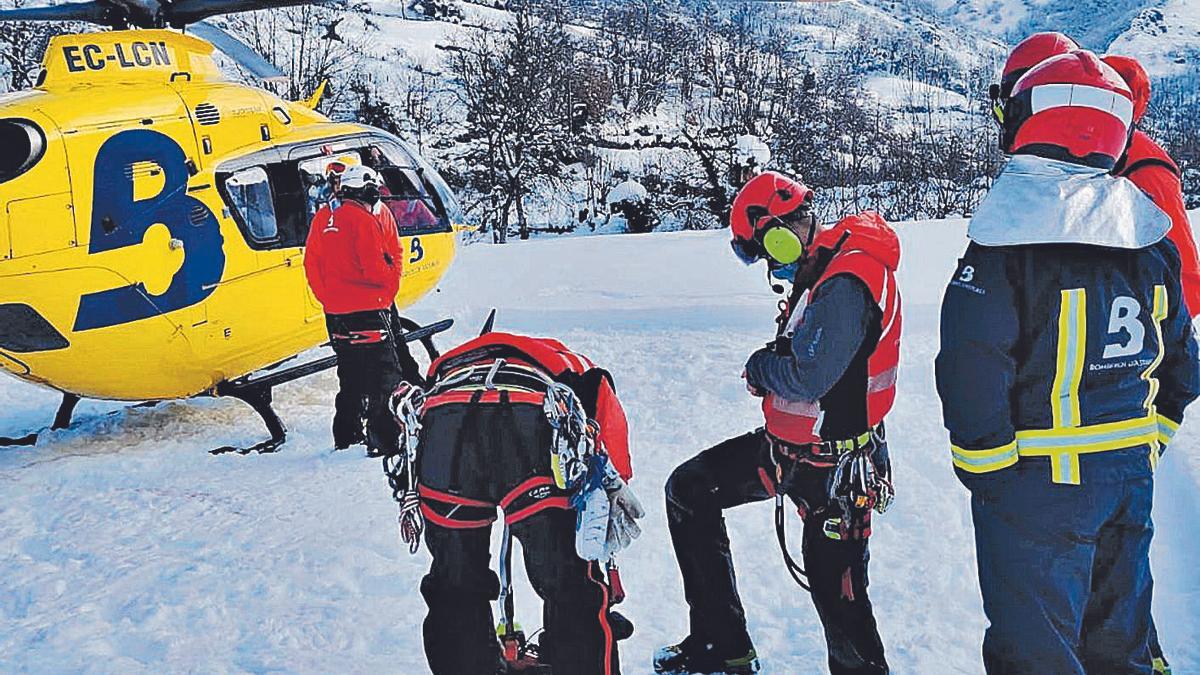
(1071, 107)
(1030, 52)
(761, 201)
(1138, 80)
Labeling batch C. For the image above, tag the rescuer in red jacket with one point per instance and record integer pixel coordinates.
(827, 382)
(353, 263)
(495, 431)
(1149, 166)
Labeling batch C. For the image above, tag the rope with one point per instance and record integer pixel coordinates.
(794, 569)
(407, 403)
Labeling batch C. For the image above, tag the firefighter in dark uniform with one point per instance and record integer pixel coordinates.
(1067, 360)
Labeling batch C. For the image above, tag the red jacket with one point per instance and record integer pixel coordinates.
(353, 259)
(1153, 171)
(560, 363)
(871, 253)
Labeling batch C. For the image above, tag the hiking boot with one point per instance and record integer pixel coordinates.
(349, 440)
(691, 657)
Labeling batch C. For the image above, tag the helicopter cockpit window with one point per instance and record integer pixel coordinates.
(415, 209)
(434, 184)
(249, 193)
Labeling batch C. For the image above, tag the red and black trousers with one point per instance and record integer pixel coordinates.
(372, 359)
(480, 451)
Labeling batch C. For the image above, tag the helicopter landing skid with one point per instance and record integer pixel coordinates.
(258, 397)
(256, 389)
(62, 420)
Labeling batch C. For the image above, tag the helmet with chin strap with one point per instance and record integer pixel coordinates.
(758, 219)
(1073, 108)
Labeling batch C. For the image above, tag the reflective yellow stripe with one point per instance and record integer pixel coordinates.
(1064, 446)
(1167, 428)
(1069, 438)
(1166, 433)
(1068, 372)
(1158, 314)
(985, 461)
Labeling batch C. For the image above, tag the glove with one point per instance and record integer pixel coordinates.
(754, 391)
(624, 511)
(753, 365)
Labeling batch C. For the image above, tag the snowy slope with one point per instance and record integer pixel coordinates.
(125, 547)
(1093, 22)
(1166, 39)
(1163, 34)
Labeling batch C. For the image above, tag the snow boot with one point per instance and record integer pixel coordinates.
(349, 439)
(1161, 667)
(692, 657)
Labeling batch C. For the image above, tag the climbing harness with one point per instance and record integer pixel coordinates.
(580, 467)
(856, 488)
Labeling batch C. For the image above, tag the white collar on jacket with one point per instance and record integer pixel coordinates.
(1045, 201)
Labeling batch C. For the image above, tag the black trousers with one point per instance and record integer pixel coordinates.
(473, 457)
(371, 363)
(738, 471)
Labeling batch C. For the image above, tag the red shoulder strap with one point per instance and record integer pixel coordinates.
(861, 265)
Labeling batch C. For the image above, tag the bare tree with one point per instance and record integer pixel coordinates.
(515, 88)
(22, 44)
(305, 43)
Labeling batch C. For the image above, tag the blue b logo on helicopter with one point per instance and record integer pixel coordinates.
(121, 220)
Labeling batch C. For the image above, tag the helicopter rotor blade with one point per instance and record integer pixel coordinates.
(93, 12)
(239, 51)
(182, 12)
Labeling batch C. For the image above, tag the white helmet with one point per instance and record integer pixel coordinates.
(359, 177)
(361, 184)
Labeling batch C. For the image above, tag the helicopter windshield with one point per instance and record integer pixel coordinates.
(434, 179)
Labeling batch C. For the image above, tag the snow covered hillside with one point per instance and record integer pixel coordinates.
(1163, 34)
(125, 547)
(1166, 38)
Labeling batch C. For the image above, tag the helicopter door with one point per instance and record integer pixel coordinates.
(259, 206)
(311, 167)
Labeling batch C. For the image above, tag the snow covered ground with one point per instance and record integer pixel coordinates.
(125, 547)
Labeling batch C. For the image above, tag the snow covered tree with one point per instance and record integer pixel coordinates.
(22, 44)
(438, 10)
(1173, 119)
(515, 87)
(305, 43)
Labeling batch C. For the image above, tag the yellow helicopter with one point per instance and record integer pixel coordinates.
(153, 215)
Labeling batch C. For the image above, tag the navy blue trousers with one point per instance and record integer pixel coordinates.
(1065, 569)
